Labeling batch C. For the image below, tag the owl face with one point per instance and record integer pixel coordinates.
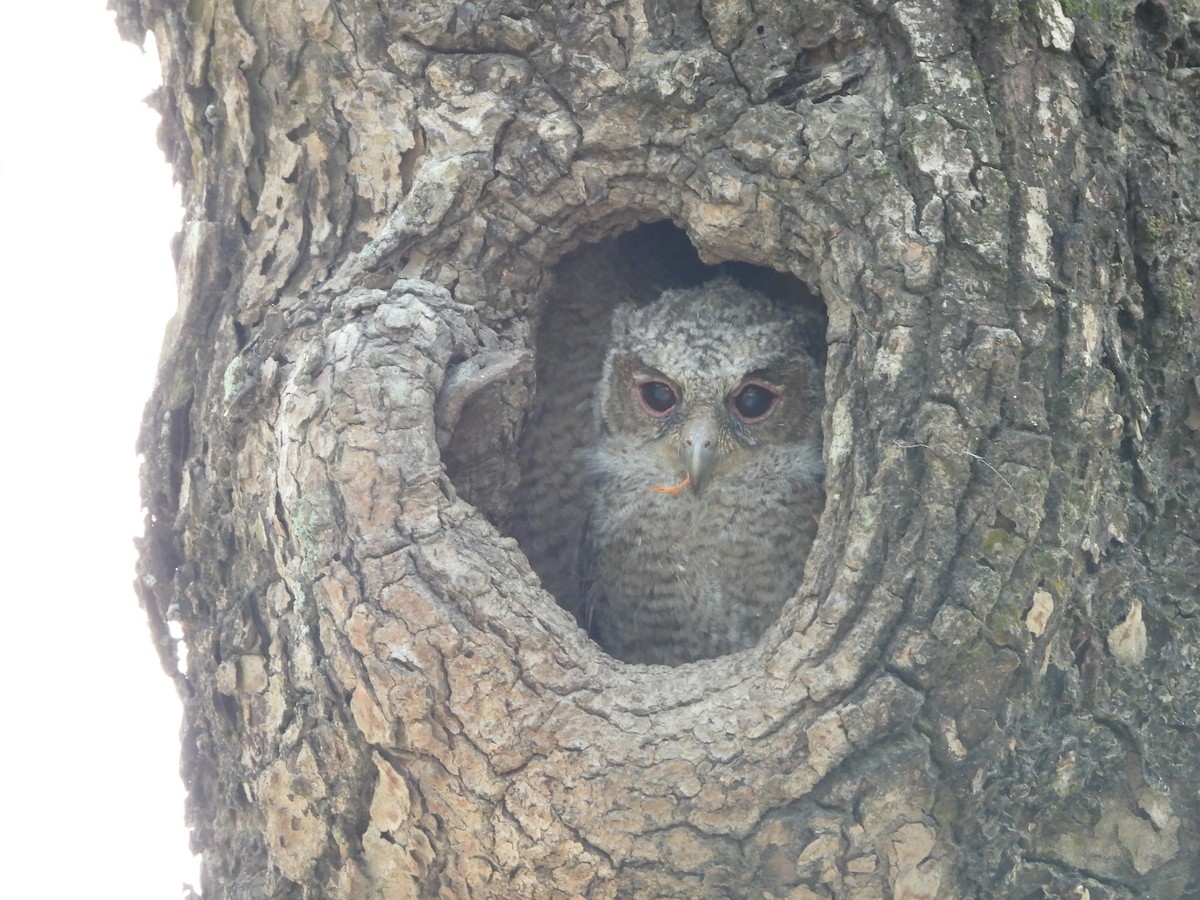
(703, 379)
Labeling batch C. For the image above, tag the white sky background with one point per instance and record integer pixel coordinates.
(90, 791)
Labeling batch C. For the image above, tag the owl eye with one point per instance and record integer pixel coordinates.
(658, 397)
(753, 402)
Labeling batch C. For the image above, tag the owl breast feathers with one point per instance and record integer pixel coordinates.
(705, 481)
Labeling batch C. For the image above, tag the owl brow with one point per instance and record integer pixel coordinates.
(769, 375)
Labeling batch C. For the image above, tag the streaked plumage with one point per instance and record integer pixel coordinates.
(704, 482)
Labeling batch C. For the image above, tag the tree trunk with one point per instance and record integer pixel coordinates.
(406, 226)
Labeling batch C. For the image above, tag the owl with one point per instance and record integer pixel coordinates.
(705, 479)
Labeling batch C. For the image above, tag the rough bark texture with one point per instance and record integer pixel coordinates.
(987, 684)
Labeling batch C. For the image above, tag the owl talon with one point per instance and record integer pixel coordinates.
(675, 489)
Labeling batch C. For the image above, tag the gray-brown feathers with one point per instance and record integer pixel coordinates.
(705, 478)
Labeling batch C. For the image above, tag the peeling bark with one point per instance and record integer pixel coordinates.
(987, 682)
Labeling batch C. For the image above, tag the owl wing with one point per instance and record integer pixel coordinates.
(573, 337)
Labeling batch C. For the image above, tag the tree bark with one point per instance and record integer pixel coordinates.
(987, 683)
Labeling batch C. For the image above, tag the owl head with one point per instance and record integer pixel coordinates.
(703, 379)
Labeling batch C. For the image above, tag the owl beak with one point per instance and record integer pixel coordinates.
(698, 449)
